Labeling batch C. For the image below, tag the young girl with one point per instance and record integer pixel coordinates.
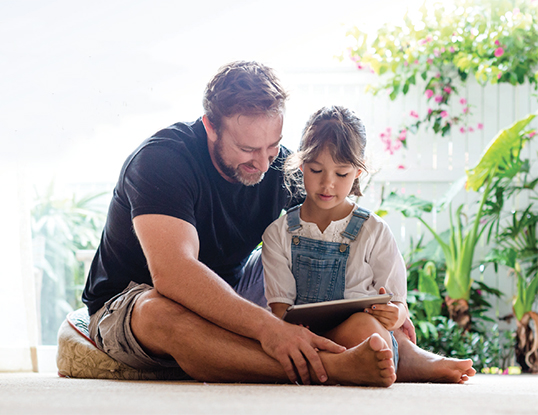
(329, 248)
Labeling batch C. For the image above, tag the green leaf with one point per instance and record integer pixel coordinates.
(454, 189)
(409, 206)
(506, 256)
(494, 156)
(427, 283)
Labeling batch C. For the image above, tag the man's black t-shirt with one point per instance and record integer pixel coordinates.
(172, 174)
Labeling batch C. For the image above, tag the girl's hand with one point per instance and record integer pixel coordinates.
(387, 314)
(391, 315)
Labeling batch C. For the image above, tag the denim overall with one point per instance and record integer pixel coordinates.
(319, 267)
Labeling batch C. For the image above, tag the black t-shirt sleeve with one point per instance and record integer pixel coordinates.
(169, 189)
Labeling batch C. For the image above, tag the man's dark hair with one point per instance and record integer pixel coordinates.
(246, 88)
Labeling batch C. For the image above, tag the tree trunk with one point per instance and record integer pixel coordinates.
(458, 311)
(527, 342)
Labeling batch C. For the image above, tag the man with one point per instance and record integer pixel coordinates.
(175, 281)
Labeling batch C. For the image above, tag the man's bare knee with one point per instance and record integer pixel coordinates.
(152, 317)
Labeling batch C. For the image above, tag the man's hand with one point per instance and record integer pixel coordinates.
(295, 347)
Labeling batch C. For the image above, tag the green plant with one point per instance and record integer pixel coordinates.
(517, 249)
(426, 291)
(60, 227)
(501, 161)
(486, 347)
(444, 44)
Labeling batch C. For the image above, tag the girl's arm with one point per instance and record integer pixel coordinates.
(279, 309)
(276, 258)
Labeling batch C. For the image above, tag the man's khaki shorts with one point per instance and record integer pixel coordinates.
(110, 328)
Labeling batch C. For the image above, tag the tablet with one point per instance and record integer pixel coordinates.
(326, 315)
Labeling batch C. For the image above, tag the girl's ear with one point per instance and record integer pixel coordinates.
(301, 167)
(359, 171)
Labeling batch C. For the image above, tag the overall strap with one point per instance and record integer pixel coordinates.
(360, 215)
(294, 218)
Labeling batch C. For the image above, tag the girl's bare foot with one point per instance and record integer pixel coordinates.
(368, 364)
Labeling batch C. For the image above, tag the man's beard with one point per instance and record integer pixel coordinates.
(236, 173)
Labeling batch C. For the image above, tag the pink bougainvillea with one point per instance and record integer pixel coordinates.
(428, 93)
(499, 52)
(390, 144)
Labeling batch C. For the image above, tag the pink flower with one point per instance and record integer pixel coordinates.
(416, 61)
(430, 61)
(403, 135)
(437, 75)
(466, 110)
(406, 63)
(463, 101)
(401, 167)
(397, 145)
(429, 111)
(532, 134)
(471, 130)
(428, 93)
(444, 114)
(497, 42)
(480, 126)
(499, 52)
(443, 50)
(499, 76)
(447, 89)
(425, 40)
(436, 52)
(438, 98)
(413, 114)
(462, 130)
(452, 50)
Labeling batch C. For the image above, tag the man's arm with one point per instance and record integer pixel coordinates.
(171, 248)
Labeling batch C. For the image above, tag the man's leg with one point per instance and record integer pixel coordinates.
(251, 285)
(209, 353)
(418, 365)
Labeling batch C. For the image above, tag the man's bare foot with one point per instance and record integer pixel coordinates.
(418, 365)
(368, 364)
